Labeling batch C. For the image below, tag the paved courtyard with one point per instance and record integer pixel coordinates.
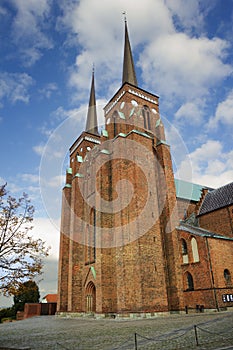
(213, 330)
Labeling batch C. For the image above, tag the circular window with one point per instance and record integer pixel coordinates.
(88, 148)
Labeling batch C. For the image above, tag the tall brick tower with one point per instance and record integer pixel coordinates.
(118, 248)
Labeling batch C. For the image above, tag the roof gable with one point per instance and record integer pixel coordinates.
(217, 199)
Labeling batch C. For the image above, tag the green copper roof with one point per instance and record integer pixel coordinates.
(93, 272)
(188, 190)
(68, 185)
(78, 175)
(104, 133)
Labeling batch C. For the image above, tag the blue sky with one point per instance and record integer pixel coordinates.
(182, 51)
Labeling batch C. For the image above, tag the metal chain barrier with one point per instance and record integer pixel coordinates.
(142, 340)
(121, 346)
(227, 340)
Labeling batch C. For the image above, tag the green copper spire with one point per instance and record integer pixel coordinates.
(129, 75)
(91, 124)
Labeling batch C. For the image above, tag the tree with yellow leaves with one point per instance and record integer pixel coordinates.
(21, 255)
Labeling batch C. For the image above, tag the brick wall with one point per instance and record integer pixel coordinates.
(219, 221)
(215, 255)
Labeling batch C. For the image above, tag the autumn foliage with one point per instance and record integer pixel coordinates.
(21, 255)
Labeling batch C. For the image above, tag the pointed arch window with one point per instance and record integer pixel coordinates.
(184, 251)
(146, 117)
(190, 284)
(90, 297)
(195, 250)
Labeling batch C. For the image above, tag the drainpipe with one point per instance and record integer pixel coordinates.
(212, 275)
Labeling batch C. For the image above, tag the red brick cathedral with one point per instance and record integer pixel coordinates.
(126, 246)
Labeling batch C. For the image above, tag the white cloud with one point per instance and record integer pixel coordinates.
(30, 178)
(48, 90)
(186, 13)
(2, 181)
(3, 11)
(57, 182)
(28, 28)
(61, 114)
(104, 44)
(39, 149)
(211, 165)
(223, 113)
(178, 65)
(14, 87)
(48, 284)
(190, 113)
(185, 67)
(48, 230)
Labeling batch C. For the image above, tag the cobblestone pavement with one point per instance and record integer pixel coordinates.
(213, 330)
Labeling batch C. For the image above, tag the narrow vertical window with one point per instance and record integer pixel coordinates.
(227, 276)
(190, 284)
(114, 124)
(195, 250)
(184, 251)
(146, 117)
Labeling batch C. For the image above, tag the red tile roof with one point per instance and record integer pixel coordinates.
(51, 298)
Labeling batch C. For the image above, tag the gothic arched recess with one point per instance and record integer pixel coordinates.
(90, 297)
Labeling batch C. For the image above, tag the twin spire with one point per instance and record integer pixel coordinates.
(128, 76)
(91, 124)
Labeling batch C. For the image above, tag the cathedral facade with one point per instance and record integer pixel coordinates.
(134, 240)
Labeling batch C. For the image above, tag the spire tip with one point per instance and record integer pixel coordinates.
(124, 14)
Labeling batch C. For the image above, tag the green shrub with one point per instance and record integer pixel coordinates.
(7, 313)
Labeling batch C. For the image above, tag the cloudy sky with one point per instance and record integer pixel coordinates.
(183, 53)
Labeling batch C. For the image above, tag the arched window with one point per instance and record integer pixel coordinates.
(146, 117)
(190, 284)
(184, 251)
(195, 250)
(90, 297)
(227, 276)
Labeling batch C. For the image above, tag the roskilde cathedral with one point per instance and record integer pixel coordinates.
(126, 246)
